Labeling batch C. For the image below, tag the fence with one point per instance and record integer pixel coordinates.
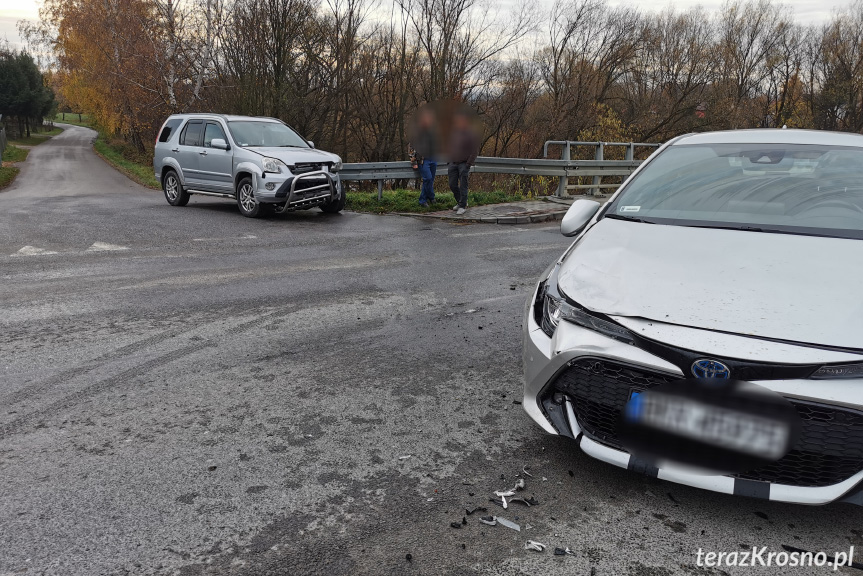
(564, 168)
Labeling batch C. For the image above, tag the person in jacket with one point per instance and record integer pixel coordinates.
(463, 149)
(425, 151)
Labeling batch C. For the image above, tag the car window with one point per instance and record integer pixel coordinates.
(169, 128)
(253, 133)
(191, 135)
(791, 188)
(212, 131)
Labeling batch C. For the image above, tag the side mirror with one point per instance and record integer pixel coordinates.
(219, 143)
(311, 144)
(577, 217)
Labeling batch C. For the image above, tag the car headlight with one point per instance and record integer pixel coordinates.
(273, 165)
(337, 165)
(555, 308)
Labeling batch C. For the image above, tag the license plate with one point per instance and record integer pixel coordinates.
(714, 425)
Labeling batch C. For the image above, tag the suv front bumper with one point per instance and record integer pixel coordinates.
(298, 192)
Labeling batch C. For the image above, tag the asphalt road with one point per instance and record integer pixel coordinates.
(186, 391)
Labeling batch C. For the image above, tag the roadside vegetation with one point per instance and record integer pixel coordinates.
(136, 167)
(74, 118)
(35, 138)
(403, 200)
(8, 170)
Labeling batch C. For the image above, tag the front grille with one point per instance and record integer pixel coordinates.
(830, 448)
(305, 168)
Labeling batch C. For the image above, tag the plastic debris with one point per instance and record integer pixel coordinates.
(455, 524)
(464, 520)
(525, 472)
(535, 546)
(405, 457)
(408, 557)
(563, 552)
(519, 485)
(508, 523)
(526, 501)
(470, 511)
(490, 520)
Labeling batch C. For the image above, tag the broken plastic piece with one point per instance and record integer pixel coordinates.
(455, 524)
(563, 552)
(490, 520)
(519, 485)
(526, 501)
(508, 523)
(405, 457)
(525, 472)
(535, 546)
(470, 511)
(504, 493)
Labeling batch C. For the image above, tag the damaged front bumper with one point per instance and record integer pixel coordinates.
(574, 354)
(299, 192)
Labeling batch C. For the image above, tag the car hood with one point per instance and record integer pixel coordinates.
(296, 155)
(796, 288)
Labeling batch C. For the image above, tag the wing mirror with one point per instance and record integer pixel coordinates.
(577, 217)
(219, 143)
(311, 144)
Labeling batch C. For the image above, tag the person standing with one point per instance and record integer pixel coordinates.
(424, 147)
(464, 146)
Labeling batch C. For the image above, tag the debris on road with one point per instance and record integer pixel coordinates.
(490, 520)
(535, 546)
(525, 472)
(508, 523)
(563, 552)
(477, 509)
(405, 457)
(526, 501)
(455, 524)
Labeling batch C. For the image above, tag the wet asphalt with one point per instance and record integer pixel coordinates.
(186, 391)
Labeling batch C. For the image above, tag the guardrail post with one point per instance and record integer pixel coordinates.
(597, 180)
(564, 181)
(630, 152)
(380, 190)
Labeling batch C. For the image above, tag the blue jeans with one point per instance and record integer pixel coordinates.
(427, 171)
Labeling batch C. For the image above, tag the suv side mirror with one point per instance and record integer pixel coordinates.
(311, 144)
(577, 217)
(219, 143)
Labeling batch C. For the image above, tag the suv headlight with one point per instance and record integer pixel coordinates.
(337, 165)
(555, 308)
(273, 165)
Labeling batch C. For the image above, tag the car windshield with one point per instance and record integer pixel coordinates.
(782, 188)
(253, 133)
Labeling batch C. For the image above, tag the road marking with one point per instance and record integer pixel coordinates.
(103, 246)
(246, 237)
(33, 251)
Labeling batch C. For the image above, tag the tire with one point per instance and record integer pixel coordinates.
(246, 202)
(335, 206)
(173, 189)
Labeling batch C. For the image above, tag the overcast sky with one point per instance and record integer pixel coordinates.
(806, 11)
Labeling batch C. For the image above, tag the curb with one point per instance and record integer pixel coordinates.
(509, 219)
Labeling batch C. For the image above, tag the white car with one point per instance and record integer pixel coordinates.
(727, 261)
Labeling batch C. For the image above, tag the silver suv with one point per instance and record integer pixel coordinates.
(260, 162)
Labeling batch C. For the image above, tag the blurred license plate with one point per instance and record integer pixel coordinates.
(714, 425)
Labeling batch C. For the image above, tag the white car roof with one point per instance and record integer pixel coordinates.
(774, 136)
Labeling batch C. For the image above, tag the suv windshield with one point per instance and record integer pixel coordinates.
(785, 188)
(251, 133)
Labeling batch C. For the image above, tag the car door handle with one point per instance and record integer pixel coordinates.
(203, 152)
(175, 149)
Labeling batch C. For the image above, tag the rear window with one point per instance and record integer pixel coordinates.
(169, 128)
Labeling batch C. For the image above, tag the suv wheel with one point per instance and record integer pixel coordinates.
(335, 206)
(246, 201)
(174, 193)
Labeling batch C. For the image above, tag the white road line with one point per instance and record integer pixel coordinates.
(246, 237)
(104, 246)
(33, 251)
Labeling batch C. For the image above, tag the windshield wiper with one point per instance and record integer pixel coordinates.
(629, 218)
(289, 146)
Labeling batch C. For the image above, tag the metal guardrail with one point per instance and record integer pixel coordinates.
(552, 167)
(599, 155)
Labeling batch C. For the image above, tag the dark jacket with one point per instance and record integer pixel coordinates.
(464, 146)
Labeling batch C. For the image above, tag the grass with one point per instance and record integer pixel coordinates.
(15, 154)
(408, 200)
(7, 175)
(112, 153)
(73, 119)
(36, 138)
